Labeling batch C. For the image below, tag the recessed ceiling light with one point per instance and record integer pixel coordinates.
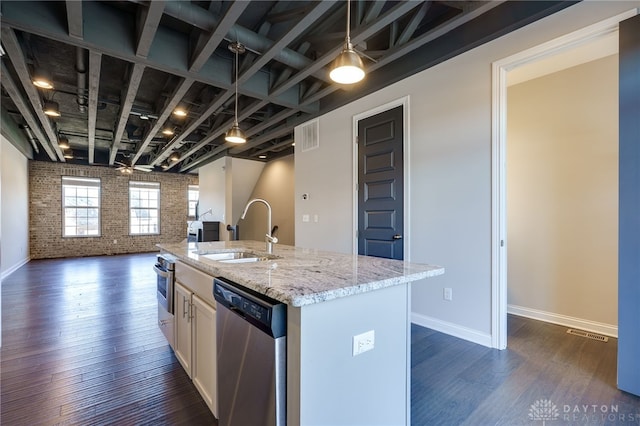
(262, 156)
(167, 131)
(180, 112)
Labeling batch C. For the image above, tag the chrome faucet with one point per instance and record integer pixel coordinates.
(269, 238)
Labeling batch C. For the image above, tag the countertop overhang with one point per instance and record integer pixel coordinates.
(301, 276)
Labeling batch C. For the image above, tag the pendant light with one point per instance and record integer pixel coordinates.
(51, 108)
(347, 67)
(235, 133)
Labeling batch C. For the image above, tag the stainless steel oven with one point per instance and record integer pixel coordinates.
(165, 268)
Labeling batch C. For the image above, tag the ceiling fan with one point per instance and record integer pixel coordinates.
(127, 169)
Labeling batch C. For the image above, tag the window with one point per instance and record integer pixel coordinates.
(144, 208)
(193, 196)
(81, 205)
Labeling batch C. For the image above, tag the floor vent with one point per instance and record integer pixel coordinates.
(588, 335)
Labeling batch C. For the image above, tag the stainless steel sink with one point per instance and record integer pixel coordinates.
(237, 256)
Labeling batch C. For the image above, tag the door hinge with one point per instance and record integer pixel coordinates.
(357, 140)
(501, 243)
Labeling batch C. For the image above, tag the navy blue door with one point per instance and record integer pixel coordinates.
(380, 185)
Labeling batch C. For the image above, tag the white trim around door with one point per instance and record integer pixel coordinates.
(498, 161)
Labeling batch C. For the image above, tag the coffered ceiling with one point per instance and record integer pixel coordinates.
(121, 68)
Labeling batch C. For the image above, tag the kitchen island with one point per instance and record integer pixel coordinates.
(331, 298)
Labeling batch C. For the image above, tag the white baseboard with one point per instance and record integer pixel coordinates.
(452, 329)
(14, 268)
(582, 324)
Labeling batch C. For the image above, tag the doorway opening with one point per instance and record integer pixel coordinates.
(546, 52)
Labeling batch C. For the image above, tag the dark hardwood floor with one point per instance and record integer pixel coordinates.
(80, 346)
(455, 382)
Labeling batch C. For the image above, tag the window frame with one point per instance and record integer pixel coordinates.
(141, 185)
(85, 183)
(190, 190)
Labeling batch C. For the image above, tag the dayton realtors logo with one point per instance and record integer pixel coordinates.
(545, 410)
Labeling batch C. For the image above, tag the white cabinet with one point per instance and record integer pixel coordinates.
(203, 352)
(182, 302)
(195, 336)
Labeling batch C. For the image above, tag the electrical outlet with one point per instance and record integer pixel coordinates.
(448, 294)
(305, 218)
(363, 342)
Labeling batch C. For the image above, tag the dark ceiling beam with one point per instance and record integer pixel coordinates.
(207, 21)
(95, 62)
(25, 109)
(14, 51)
(132, 85)
(74, 18)
(412, 26)
(222, 129)
(359, 35)
(491, 21)
(167, 54)
(400, 50)
(206, 157)
(373, 12)
(313, 12)
(148, 23)
(177, 141)
(169, 106)
(208, 43)
(274, 147)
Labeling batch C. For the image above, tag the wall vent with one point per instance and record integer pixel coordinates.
(309, 136)
(588, 335)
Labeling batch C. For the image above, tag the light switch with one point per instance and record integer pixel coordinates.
(305, 218)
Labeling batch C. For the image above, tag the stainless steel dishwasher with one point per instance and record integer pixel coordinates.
(252, 361)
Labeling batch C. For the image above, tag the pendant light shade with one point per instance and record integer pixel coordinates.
(235, 133)
(63, 142)
(51, 108)
(42, 79)
(347, 68)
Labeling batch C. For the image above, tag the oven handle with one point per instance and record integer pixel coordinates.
(163, 274)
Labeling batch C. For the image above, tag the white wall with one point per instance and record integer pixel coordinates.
(14, 206)
(275, 185)
(449, 176)
(562, 192)
(211, 187)
(225, 186)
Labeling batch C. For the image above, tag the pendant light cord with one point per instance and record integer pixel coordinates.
(236, 109)
(348, 38)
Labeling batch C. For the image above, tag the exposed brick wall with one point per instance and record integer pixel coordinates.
(45, 211)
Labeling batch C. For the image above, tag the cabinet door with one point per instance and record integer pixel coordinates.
(182, 303)
(204, 367)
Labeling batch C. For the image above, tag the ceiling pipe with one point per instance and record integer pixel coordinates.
(207, 21)
(31, 138)
(81, 73)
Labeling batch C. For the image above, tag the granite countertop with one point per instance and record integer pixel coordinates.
(300, 276)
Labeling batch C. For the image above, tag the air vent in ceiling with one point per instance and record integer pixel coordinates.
(588, 335)
(309, 136)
